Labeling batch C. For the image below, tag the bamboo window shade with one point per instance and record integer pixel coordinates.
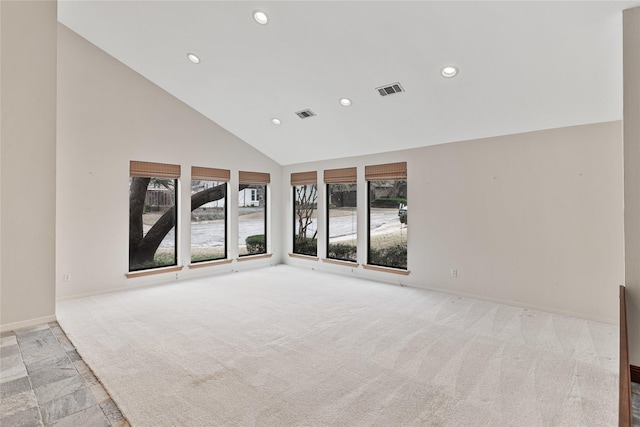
(341, 176)
(209, 174)
(386, 171)
(153, 170)
(254, 178)
(304, 178)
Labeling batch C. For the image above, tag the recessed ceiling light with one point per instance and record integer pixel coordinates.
(193, 58)
(276, 121)
(449, 71)
(260, 17)
(345, 102)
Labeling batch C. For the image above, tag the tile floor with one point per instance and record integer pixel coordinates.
(635, 403)
(44, 382)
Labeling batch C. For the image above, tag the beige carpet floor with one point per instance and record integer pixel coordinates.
(284, 346)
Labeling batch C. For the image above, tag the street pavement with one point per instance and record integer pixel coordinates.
(210, 233)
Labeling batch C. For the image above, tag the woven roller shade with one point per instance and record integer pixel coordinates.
(337, 176)
(387, 171)
(254, 178)
(303, 178)
(209, 174)
(153, 170)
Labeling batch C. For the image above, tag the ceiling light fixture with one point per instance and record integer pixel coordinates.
(276, 121)
(345, 102)
(449, 71)
(193, 58)
(260, 17)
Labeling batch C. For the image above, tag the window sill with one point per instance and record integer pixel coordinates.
(386, 269)
(210, 263)
(153, 271)
(251, 257)
(351, 264)
(308, 257)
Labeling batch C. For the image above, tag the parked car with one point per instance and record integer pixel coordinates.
(402, 210)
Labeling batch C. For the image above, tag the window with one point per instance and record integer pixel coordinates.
(152, 215)
(252, 211)
(387, 215)
(342, 218)
(208, 214)
(305, 221)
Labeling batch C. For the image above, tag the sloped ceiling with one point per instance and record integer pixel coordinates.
(523, 66)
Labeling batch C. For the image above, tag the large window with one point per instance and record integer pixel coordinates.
(342, 218)
(387, 214)
(305, 220)
(208, 214)
(252, 211)
(152, 215)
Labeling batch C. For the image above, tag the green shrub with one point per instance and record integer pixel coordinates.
(256, 244)
(342, 251)
(206, 257)
(305, 246)
(392, 256)
(160, 259)
(388, 202)
(163, 259)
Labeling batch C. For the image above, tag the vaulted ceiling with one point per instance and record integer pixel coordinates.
(523, 66)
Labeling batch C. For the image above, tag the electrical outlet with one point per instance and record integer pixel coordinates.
(454, 272)
(67, 277)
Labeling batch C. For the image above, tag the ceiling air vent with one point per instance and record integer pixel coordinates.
(305, 113)
(390, 89)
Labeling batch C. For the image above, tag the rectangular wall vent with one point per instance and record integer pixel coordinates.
(305, 113)
(389, 89)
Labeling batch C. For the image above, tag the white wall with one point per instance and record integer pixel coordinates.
(533, 219)
(107, 116)
(28, 144)
(631, 34)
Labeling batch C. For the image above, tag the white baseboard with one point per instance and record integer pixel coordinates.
(27, 323)
(403, 281)
(235, 267)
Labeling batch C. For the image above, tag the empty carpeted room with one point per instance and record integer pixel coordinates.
(204, 213)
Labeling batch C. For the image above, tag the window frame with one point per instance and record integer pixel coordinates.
(348, 176)
(138, 169)
(295, 219)
(383, 172)
(265, 222)
(226, 224)
(328, 193)
(299, 179)
(256, 179)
